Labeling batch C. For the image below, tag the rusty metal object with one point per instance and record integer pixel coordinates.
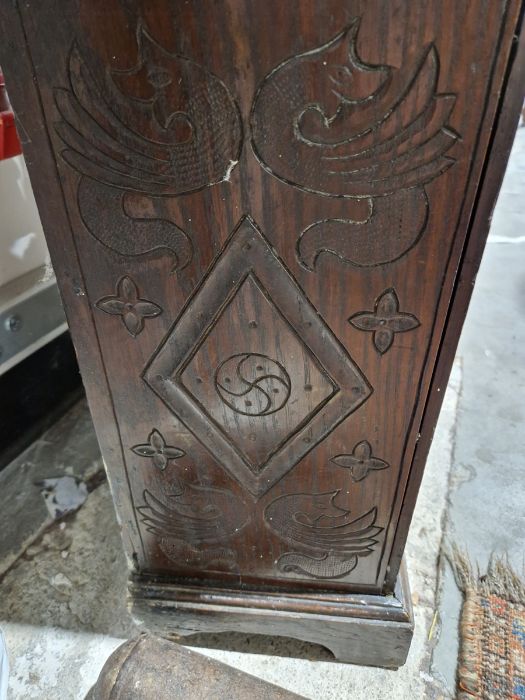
(149, 667)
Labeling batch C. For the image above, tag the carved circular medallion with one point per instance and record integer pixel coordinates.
(252, 384)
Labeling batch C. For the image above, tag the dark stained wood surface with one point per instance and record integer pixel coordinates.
(374, 630)
(502, 138)
(256, 211)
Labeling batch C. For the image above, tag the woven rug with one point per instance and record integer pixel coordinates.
(491, 662)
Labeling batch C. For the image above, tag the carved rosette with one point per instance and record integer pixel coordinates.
(126, 303)
(361, 462)
(158, 451)
(253, 384)
(384, 321)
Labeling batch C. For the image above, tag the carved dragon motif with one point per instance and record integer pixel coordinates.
(316, 524)
(165, 127)
(195, 517)
(328, 123)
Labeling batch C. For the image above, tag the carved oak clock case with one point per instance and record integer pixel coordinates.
(265, 219)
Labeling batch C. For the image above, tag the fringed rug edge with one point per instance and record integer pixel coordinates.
(500, 580)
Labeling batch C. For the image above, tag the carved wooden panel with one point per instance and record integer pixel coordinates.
(257, 211)
(251, 369)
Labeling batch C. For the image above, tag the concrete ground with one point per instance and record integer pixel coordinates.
(486, 503)
(67, 451)
(62, 602)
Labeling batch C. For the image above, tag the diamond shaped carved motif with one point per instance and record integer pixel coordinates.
(251, 369)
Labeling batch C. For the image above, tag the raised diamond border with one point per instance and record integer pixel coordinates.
(247, 251)
(292, 330)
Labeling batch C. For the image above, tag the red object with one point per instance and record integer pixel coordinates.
(9, 141)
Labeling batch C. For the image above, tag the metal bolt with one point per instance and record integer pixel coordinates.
(13, 323)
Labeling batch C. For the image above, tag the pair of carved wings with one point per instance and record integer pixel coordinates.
(316, 523)
(322, 121)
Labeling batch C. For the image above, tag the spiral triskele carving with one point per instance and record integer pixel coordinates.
(253, 384)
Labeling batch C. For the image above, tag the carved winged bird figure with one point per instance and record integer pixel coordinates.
(165, 127)
(327, 123)
(315, 524)
(195, 518)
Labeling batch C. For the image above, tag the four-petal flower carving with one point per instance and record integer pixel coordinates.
(385, 321)
(360, 462)
(157, 450)
(127, 304)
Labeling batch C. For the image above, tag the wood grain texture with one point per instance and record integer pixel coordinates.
(257, 235)
(503, 130)
(370, 630)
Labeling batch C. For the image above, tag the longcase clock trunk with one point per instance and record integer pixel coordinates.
(265, 219)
